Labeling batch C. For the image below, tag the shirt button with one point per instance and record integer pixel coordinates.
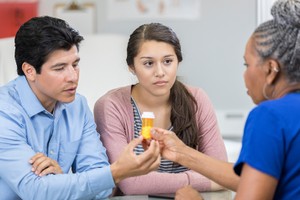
(51, 152)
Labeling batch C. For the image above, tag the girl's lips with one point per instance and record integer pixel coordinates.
(160, 82)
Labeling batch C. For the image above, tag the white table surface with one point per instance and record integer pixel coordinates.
(218, 195)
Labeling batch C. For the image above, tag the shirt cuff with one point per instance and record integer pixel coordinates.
(101, 179)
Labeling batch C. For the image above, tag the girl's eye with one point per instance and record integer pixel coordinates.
(168, 61)
(246, 65)
(148, 63)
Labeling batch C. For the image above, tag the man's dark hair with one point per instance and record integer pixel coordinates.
(39, 37)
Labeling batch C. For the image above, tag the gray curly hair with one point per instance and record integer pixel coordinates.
(279, 38)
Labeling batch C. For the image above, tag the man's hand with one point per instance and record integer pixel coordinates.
(187, 193)
(129, 164)
(42, 165)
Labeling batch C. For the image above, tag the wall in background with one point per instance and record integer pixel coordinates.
(264, 10)
(15, 13)
(212, 45)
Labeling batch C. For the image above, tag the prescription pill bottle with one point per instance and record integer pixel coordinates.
(147, 124)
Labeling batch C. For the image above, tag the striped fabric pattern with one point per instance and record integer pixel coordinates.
(166, 166)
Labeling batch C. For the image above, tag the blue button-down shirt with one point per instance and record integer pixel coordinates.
(68, 136)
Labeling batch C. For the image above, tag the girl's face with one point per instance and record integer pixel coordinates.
(156, 67)
(254, 75)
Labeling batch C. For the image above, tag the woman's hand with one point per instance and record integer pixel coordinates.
(43, 165)
(170, 145)
(187, 193)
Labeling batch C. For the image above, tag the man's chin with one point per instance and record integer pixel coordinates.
(67, 100)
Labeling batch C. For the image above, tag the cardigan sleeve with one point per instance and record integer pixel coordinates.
(111, 124)
(210, 141)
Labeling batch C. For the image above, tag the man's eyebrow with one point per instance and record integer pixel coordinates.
(63, 64)
(58, 65)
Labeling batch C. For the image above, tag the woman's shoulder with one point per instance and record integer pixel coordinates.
(116, 96)
(284, 107)
(117, 92)
(195, 91)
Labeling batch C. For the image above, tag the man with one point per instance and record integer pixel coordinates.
(46, 129)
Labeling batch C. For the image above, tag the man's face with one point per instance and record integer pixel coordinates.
(58, 79)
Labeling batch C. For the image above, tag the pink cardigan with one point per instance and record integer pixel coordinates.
(115, 122)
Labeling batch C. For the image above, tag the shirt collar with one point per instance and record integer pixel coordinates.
(29, 101)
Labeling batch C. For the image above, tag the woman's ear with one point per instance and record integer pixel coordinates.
(272, 71)
(29, 71)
